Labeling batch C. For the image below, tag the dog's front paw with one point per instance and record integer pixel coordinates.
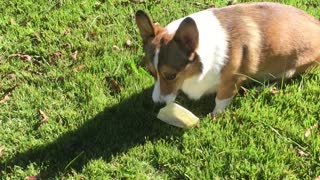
(216, 113)
(220, 107)
(213, 116)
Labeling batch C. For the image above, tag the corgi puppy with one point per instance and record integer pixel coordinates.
(216, 50)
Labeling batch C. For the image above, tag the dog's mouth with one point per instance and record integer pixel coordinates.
(167, 99)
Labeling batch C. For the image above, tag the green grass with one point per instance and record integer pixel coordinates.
(94, 132)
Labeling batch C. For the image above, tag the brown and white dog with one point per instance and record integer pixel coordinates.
(216, 50)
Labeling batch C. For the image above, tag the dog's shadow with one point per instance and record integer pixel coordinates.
(115, 130)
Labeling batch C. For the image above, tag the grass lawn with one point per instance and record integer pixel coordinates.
(75, 103)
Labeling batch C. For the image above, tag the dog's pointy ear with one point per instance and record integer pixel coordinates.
(145, 26)
(187, 35)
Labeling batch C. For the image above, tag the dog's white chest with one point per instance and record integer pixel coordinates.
(212, 50)
(195, 87)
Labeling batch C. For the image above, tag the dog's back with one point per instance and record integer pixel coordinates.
(276, 40)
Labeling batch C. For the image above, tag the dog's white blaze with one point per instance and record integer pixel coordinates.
(156, 92)
(212, 49)
(156, 59)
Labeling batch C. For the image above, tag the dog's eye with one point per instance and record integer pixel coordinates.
(170, 77)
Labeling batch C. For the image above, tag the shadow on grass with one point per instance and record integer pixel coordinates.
(113, 131)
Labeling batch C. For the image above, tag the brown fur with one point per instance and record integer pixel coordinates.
(266, 40)
(152, 34)
(266, 44)
(179, 59)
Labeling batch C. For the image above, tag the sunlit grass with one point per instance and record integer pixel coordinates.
(96, 131)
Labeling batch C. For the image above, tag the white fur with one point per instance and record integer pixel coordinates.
(289, 73)
(156, 95)
(156, 92)
(169, 98)
(221, 105)
(156, 58)
(212, 49)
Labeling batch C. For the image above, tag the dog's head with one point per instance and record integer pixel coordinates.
(170, 58)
